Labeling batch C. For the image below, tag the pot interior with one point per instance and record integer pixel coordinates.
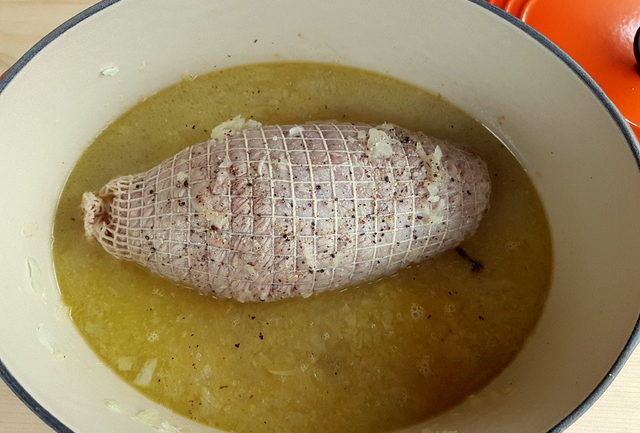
(574, 149)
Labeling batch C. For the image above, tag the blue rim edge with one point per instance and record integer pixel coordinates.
(71, 22)
(634, 338)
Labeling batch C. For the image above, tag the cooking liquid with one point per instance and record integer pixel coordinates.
(370, 358)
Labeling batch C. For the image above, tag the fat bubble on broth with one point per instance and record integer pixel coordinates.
(371, 358)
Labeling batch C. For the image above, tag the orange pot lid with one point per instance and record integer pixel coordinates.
(599, 35)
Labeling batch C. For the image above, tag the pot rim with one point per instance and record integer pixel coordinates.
(562, 425)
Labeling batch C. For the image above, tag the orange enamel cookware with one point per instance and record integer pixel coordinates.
(603, 36)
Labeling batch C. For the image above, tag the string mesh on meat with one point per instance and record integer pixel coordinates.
(290, 210)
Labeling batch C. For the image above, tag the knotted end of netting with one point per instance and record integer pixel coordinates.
(94, 210)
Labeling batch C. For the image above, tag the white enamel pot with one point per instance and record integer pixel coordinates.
(573, 142)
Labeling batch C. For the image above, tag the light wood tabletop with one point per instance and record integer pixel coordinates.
(24, 22)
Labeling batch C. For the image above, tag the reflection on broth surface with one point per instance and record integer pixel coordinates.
(371, 358)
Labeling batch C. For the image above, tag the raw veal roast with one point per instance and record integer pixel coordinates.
(261, 213)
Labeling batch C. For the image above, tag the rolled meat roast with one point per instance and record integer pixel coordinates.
(261, 213)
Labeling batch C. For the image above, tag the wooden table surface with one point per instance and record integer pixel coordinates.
(24, 22)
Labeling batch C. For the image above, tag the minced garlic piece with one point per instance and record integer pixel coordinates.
(437, 153)
(233, 126)
(182, 176)
(379, 143)
(296, 131)
(146, 373)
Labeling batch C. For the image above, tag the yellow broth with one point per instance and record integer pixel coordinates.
(368, 359)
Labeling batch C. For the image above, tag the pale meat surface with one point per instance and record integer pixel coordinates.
(273, 212)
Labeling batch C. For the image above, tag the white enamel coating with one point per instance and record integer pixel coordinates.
(575, 152)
